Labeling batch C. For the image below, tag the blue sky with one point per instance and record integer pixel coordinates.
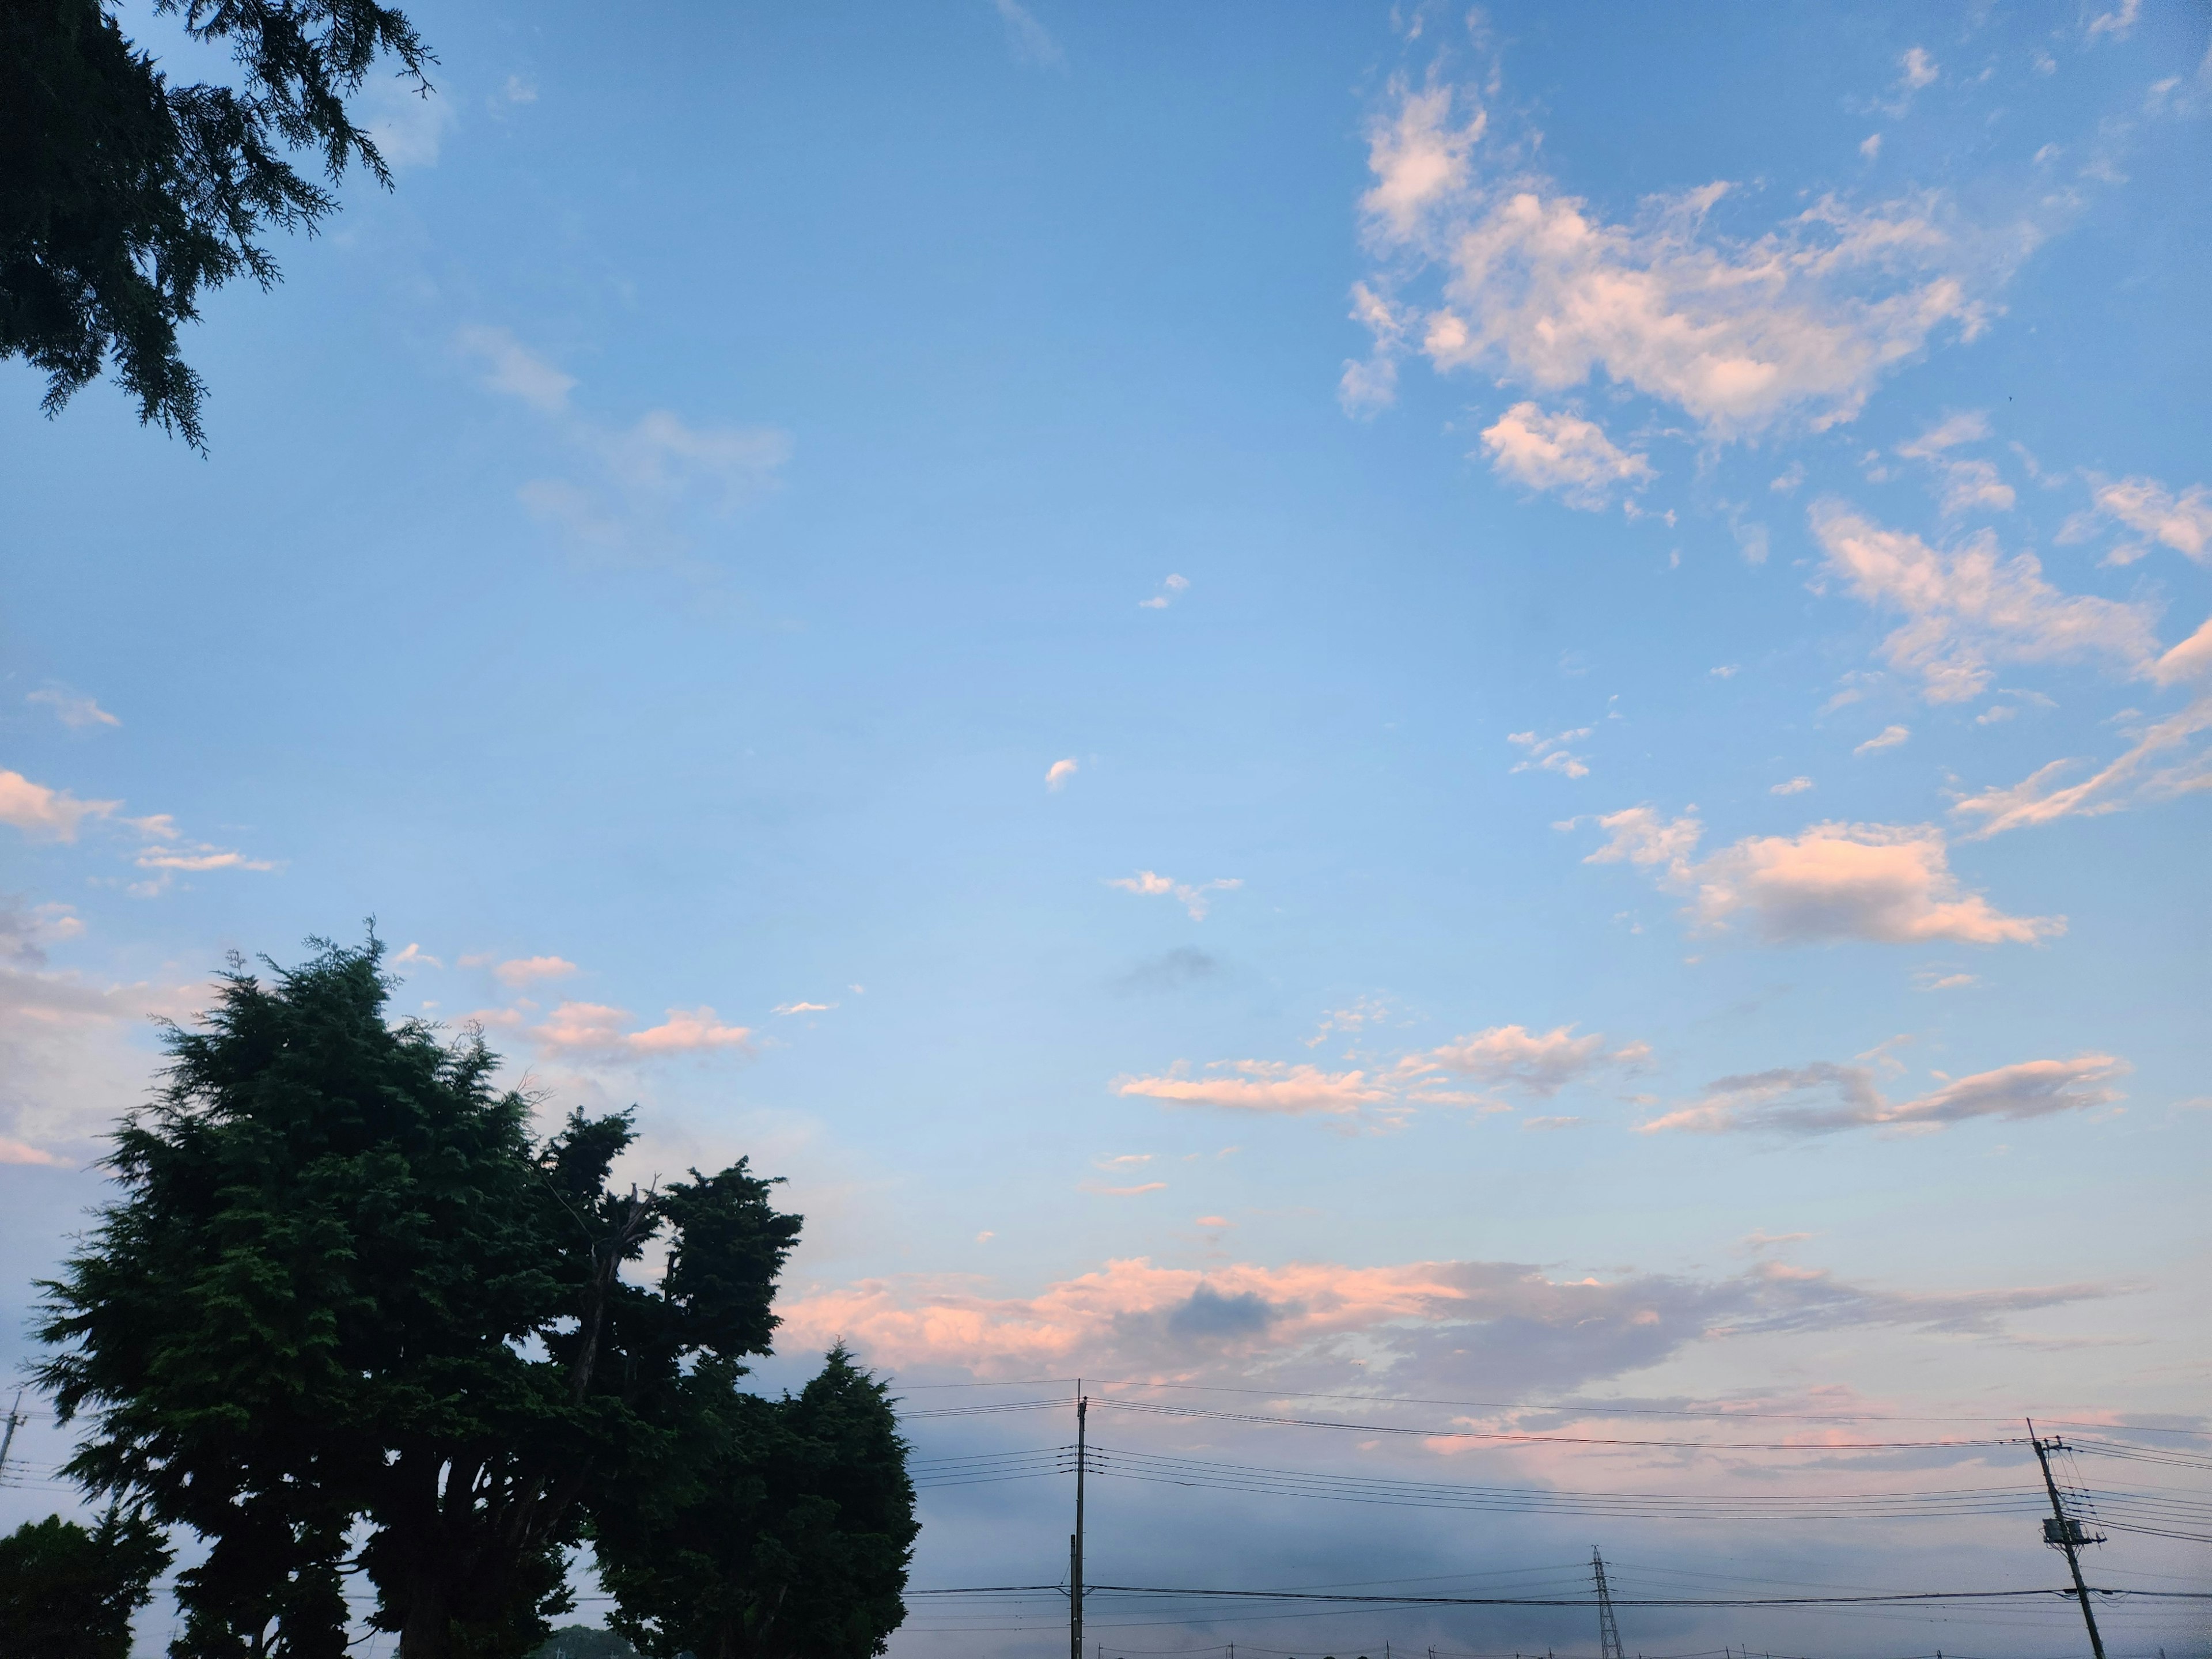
(1492, 706)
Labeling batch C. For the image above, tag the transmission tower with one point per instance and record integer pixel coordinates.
(1608, 1632)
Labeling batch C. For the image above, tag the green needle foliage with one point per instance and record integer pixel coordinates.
(122, 196)
(345, 1298)
(68, 1593)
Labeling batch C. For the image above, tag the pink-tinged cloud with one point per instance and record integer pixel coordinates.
(1101, 1190)
(596, 1028)
(2191, 660)
(1565, 454)
(1887, 883)
(1500, 1324)
(2181, 521)
(2040, 798)
(1059, 772)
(22, 1153)
(1884, 883)
(1261, 1085)
(1787, 1100)
(1967, 610)
(530, 970)
(43, 814)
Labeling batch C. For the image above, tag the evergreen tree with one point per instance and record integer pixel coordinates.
(123, 196)
(67, 1592)
(787, 1533)
(342, 1287)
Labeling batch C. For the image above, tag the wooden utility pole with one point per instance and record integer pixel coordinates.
(2062, 1532)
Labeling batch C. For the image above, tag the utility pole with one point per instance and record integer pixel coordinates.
(1075, 1538)
(1608, 1634)
(2062, 1532)
(15, 1420)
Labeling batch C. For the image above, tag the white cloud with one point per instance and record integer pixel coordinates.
(45, 814)
(1027, 38)
(1888, 737)
(2182, 522)
(2116, 22)
(1551, 754)
(1562, 452)
(413, 956)
(1870, 146)
(1798, 324)
(1104, 1191)
(530, 970)
(1060, 772)
(639, 484)
(1779, 1101)
(1917, 69)
(73, 708)
(1967, 484)
(408, 124)
(1883, 883)
(804, 1007)
(1418, 159)
(1795, 787)
(512, 369)
(1192, 896)
(1970, 608)
(2039, 799)
(1170, 590)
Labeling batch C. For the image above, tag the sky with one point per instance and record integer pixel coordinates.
(1501, 709)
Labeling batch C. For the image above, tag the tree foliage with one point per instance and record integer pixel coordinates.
(784, 1530)
(123, 196)
(344, 1289)
(67, 1592)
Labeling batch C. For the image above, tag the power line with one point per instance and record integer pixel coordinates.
(1873, 1599)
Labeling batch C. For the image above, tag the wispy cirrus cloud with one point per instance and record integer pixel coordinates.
(1498, 1061)
(640, 488)
(1790, 1100)
(1551, 754)
(43, 813)
(1970, 608)
(1879, 883)
(74, 709)
(2131, 779)
(1966, 483)
(2180, 520)
(1195, 897)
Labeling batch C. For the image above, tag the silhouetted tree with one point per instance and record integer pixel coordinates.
(67, 1592)
(784, 1530)
(343, 1287)
(123, 196)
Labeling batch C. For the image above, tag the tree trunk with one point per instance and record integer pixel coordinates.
(427, 1633)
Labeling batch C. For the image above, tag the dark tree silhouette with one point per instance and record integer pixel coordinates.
(123, 196)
